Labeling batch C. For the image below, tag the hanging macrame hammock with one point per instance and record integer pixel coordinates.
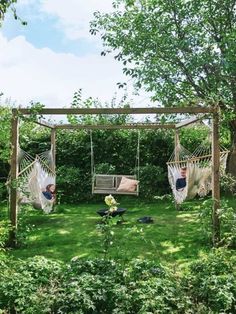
(115, 183)
(198, 170)
(35, 174)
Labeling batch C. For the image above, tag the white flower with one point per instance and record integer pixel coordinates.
(113, 209)
(110, 201)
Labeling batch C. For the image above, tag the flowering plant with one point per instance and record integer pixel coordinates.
(111, 202)
(106, 226)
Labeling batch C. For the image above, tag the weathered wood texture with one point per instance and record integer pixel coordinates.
(14, 176)
(116, 127)
(147, 110)
(45, 124)
(187, 122)
(215, 179)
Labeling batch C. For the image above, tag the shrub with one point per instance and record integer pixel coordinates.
(149, 288)
(29, 286)
(206, 220)
(153, 181)
(212, 282)
(227, 215)
(228, 183)
(4, 232)
(38, 285)
(105, 286)
(73, 184)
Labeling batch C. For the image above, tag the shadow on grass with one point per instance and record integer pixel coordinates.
(175, 237)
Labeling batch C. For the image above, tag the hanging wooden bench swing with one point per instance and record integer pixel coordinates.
(115, 183)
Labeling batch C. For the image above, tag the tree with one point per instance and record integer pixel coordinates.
(181, 50)
(5, 118)
(5, 5)
(79, 102)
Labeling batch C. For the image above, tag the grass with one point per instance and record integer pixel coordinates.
(175, 237)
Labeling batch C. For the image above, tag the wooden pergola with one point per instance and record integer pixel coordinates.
(213, 111)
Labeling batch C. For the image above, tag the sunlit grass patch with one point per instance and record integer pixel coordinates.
(174, 237)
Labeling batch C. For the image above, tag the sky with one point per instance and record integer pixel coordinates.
(55, 55)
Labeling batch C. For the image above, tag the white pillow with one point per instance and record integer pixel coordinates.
(127, 185)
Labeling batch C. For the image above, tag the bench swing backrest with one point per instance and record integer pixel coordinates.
(109, 183)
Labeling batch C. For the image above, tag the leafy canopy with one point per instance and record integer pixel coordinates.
(181, 50)
(5, 5)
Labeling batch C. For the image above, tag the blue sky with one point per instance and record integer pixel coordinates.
(55, 55)
(44, 30)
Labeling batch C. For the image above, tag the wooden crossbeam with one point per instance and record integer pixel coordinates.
(45, 124)
(187, 122)
(147, 110)
(116, 127)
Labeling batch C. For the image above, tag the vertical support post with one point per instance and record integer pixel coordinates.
(14, 176)
(176, 145)
(177, 150)
(215, 179)
(53, 144)
(92, 161)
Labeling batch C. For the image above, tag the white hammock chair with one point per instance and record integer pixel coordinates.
(36, 173)
(199, 170)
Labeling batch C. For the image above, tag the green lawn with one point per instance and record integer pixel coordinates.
(174, 238)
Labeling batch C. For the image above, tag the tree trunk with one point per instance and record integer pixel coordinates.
(231, 166)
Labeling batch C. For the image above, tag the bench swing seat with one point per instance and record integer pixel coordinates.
(109, 183)
(113, 183)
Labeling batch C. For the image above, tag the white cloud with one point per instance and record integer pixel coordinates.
(25, 2)
(28, 73)
(74, 15)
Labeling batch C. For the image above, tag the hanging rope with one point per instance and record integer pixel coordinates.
(137, 158)
(92, 155)
(105, 184)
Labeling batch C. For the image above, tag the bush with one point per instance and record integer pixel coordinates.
(29, 286)
(73, 184)
(38, 285)
(212, 282)
(4, 228)
(4, 233)
(228, 183)
(103, 286)
(227, 215)
(153, 181)
(114, 153)
(149, 288)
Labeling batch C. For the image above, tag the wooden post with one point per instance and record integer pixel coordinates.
(176, 145)
(177, 206)
(53, 144)
(14, 176)
(215, 179)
